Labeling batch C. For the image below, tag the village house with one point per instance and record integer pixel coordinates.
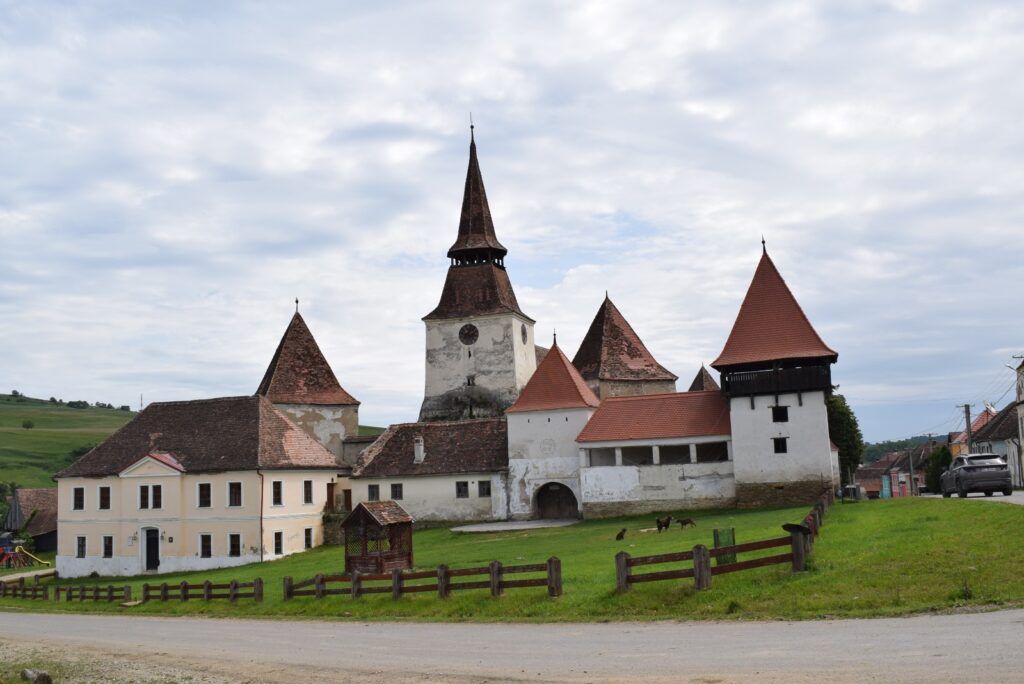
(33, 511)
(1001, 435)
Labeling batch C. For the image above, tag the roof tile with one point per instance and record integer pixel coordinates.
(299, 374)
(556, 384)
(658, 416)
(611, 350)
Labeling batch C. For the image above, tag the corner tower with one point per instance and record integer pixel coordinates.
(479, 349)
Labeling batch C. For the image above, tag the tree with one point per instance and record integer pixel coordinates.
(844, 430)
(938, 461)
(27, 424)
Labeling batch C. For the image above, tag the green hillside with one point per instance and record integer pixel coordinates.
(30, 457)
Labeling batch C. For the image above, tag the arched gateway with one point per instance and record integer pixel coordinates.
(555, 500)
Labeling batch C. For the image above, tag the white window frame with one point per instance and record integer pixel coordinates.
(312, 539)
(199, 544)
(241, 544)
(85, 546)
(110, 497)
(198, 485)
(274, 538)
(103, 546)
(149, 498)
(241, 494)
(272, 483)
(312, 493)
(73, 490)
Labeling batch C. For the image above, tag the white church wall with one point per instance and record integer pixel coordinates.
(542, 448)
(433, 497)
(624, 490)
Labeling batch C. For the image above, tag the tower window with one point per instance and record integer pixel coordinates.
(470, 380)
(780, 414)
(780, 444)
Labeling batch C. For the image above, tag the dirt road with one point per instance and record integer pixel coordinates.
(967, 647)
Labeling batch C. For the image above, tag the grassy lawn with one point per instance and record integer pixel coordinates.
(47, 556)
(875, 558)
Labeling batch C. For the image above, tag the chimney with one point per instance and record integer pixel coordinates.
(418, 451)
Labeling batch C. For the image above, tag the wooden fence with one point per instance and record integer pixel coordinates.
(446, 580)
(108, 593)
(18, 589)
(800, 541)
(206, 591)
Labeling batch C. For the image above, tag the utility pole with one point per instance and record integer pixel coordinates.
(967, 419)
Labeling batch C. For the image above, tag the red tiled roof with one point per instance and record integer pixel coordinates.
(1000, 427)
(476, 229)
(476, 290)
(167, 460)
(980, 421)
(384, 512)
(771, 326)
(461, 446)
(658, 416)
(704, 381)
(611, 350)
(208, 435)
(556, 384)
(299, 373)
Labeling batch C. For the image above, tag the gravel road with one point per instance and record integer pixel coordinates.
(966, 647)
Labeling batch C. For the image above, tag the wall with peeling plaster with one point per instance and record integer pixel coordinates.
(542, 448)
(630, 388)
(499, 362)
(329, 425)
(432, 498)
(618, 490)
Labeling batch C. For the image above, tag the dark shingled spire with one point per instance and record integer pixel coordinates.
(299, 373)
(704, 381)
(476, 239)
(611, 350)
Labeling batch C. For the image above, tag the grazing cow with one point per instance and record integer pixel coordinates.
(621, 535)
(686, 522)
(663, 523)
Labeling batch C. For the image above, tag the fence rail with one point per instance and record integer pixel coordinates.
(800, 541)
(108, 593)
(398, 581)
(206, 591)
(18, 589)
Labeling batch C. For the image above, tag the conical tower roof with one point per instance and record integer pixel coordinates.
(556, 384)
(771, 326)
(299, 373)
(704, 381)
(611, 350)
(476, 229)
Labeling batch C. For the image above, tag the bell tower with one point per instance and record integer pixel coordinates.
(479, 348)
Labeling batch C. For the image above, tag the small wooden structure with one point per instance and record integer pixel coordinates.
(378, 538)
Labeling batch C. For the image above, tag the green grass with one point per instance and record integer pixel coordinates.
(31, 457)
(891, 557)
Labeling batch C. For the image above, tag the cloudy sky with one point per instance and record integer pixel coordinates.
(172, 178)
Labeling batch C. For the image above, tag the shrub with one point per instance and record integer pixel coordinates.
(27, 424)
(78, 404)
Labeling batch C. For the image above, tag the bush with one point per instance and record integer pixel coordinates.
(124, 407)
(53, 400)
(938, 461)
(15, 393)
(78, 404)
(27, 424)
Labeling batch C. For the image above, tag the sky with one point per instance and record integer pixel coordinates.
(173, 176)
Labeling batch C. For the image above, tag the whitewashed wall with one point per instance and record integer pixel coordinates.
(432, 497)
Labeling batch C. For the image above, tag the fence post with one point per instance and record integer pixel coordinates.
(725, 537)
(163, 592)
(183, 590)
(554, 577)
(207, 590)
(145, 592)
(288, 588)
(233, 591)
(495, 574)
(701, 567)
(257, 590)
(796, 540)
(396, 583)
(127, 593)
(318, 586)
(621, 572)
(3, 589)
(110, 593)
(357, 584)
(443, 580)
(21, 584)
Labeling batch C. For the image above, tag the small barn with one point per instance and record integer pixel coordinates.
(34, 511)
(378, 538)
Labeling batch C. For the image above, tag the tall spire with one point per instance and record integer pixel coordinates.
(477, 242)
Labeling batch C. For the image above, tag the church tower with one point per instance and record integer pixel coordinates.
(480, 350)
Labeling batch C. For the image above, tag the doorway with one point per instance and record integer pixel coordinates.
(555, 500)
(152, 548)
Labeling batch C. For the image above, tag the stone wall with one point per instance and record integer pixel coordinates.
(769, 494)
(614, 509)
(631, 388)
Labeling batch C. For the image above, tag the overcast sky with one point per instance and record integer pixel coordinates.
(171, 179)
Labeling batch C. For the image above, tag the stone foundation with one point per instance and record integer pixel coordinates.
(770, 494)
(614, 509)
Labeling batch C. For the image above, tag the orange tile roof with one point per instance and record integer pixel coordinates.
(658, 416)
(611, 350)
(556, 384)
(771, 326)
(299, 373)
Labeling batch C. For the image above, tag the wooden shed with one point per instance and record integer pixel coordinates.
(378, 538)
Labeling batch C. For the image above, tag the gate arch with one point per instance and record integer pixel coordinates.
(556, 500)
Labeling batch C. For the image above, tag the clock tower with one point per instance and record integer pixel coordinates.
(480, 351)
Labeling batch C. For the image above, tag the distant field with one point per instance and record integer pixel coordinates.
(31, 457)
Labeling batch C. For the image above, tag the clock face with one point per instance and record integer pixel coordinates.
(522, 331)
(468, 334)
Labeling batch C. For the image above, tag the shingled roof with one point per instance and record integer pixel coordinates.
(611, 350)
(1000, 427)
(384, 512)
(299, 373)
(476, 229)
(476, 290)
(207, 435)
(704, 382)
(556, 384)
(38, 507)
(658, 416)
(771, 326)
(462, 446)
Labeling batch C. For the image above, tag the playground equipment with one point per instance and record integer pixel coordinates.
(18, 557)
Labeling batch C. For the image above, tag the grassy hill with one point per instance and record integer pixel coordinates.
(31, 457)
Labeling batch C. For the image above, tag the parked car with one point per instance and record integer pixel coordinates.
(976, 473)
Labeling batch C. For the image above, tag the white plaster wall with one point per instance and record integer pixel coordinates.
(693, 484)
(500, 360)
(329, 425)
(124, 566)
(809, 450)
(432, 498)
(542, 448)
